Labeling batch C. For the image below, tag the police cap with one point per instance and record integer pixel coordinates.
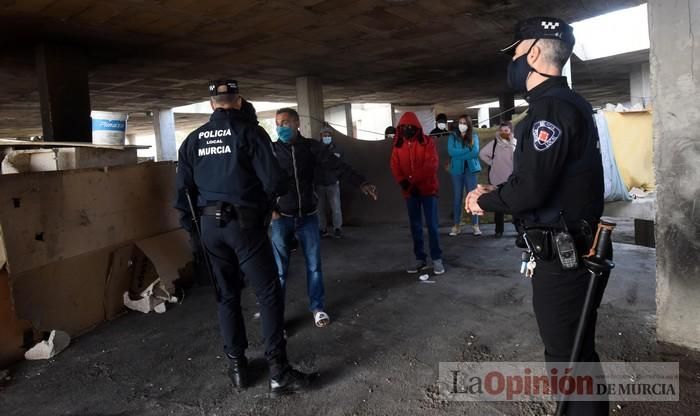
(541, 28)
(230, 84)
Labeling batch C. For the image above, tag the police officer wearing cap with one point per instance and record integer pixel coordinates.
(228, 170)
(556, 188)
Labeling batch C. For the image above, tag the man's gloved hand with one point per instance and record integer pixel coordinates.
(405, 184)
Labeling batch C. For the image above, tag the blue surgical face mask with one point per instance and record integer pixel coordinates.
(284, 133)
(327, 139)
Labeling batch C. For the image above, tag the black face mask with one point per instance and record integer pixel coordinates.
(409, 131)
(519, 71)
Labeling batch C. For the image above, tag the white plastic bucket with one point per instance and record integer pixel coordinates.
(108, 127)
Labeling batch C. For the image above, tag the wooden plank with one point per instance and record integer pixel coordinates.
(49, 216)
(17, 143)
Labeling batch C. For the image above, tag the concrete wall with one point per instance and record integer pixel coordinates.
(675, 70)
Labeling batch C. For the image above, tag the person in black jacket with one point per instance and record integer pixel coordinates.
(228, 171)
(556, 186)
(296, 211)
(440, 130)
(328, 190)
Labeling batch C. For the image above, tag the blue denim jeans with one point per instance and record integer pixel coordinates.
(459, 183)
(306, 231)
(429, 207)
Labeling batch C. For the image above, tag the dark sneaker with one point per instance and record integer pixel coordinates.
(419, 267)
(338, 233)
(238, 371)
(324, 233)
(291, 381)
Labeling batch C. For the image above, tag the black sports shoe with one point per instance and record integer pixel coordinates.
(289, 382)
(338, 233)
(238, 371)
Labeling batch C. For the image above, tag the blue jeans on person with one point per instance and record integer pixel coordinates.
(307, 233)
(428, 206)
(459, 183)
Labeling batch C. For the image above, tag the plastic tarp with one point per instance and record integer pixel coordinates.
(631, 133)
(615, 189)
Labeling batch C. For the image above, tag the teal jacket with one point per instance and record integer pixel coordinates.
(459, 154)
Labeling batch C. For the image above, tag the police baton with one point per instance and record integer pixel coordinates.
(597, 263)
(205, 253)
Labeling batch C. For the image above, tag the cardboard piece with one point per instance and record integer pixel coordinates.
(50, 216)
(66, 294)
(169, 252)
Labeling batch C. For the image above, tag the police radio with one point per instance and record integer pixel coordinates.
(566, 248)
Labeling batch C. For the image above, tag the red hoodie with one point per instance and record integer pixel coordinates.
(415, 160)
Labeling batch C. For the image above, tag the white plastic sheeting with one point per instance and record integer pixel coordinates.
(615, 189)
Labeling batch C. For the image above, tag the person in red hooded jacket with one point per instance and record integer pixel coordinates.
(414, 164)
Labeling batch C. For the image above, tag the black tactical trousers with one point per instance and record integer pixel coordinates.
(557, 298)
(234, 253)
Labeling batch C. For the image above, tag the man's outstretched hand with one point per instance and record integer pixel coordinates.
(370, 190)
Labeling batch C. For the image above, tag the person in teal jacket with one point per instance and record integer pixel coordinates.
(463, 147)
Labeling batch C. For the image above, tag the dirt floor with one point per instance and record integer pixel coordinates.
(380, 354)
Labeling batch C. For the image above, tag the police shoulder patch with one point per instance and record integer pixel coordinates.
(544, 135)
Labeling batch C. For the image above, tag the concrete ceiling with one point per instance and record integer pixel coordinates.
(161, 53)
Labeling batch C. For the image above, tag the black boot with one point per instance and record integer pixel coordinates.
(238, 371)
(288, 382)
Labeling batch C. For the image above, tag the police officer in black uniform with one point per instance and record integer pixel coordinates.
(556, 186)
(228, 169)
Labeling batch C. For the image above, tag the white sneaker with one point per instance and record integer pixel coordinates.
(438, 267)
(454, 230)
(476, 229)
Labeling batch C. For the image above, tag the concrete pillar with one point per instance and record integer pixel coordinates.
(566, 71)
(506, 104)
(640, 85)
(164, 127)
(64, 94)
(484, 116)
(310, 106)
(340, 118)
(348, 119)
(675, 86)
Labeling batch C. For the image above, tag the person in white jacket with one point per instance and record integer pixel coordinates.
(498, 155)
